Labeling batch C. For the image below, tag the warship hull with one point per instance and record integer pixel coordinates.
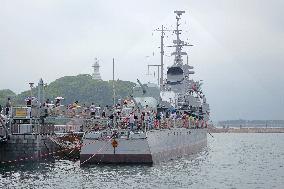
(157, 146)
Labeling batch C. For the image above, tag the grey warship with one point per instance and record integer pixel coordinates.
(179, 127)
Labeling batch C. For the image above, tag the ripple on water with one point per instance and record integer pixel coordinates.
(229, 161)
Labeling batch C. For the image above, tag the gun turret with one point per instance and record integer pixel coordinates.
(135, 102)
(142, 86)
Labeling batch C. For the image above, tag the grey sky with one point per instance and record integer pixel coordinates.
(238, 46)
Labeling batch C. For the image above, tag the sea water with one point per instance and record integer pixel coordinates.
(230, 160)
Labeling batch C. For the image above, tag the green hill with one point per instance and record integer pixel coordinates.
(4, 94)
(81, 87)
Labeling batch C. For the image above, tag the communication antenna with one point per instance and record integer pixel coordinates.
(158, 66)
(187, 59)
(113, 86)
(161, 82)
(178, 43)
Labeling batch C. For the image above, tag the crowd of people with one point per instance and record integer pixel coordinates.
(134, 118)
(123, 115)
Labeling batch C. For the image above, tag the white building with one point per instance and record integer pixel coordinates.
(96, 74)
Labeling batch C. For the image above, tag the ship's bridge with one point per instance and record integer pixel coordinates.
(174, 75)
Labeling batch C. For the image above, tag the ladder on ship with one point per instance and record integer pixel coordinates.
(3, 129)
(180, 100)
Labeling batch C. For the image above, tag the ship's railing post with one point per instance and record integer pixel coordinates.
(145, 126)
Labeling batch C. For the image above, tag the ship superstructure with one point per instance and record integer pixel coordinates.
(183, 93)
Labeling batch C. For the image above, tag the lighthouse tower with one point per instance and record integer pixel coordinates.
(96, 75)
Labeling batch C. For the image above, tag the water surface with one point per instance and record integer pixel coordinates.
(231, 160)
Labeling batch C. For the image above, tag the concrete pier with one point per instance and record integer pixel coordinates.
(30, 146)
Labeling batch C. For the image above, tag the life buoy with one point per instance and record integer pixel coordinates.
(114, 143)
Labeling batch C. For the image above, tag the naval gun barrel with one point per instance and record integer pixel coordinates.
(142, 86)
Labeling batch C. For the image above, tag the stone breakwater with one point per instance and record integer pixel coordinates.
(245, 130)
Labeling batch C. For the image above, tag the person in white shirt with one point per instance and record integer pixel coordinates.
(131, 120)
(93, 110)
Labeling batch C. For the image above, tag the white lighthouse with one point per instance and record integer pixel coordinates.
(96, 75)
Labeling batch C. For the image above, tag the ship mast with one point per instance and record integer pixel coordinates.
(162, 55)
(178, 44)
(113, 85)
(178, 59)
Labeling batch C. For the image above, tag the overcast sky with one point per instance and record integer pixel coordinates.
(238, 46)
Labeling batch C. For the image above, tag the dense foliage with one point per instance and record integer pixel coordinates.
(82, 88)
(4, 94)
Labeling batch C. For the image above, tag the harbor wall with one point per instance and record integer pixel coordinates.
(26, 147)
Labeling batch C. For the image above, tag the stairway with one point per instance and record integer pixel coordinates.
(3, 129)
